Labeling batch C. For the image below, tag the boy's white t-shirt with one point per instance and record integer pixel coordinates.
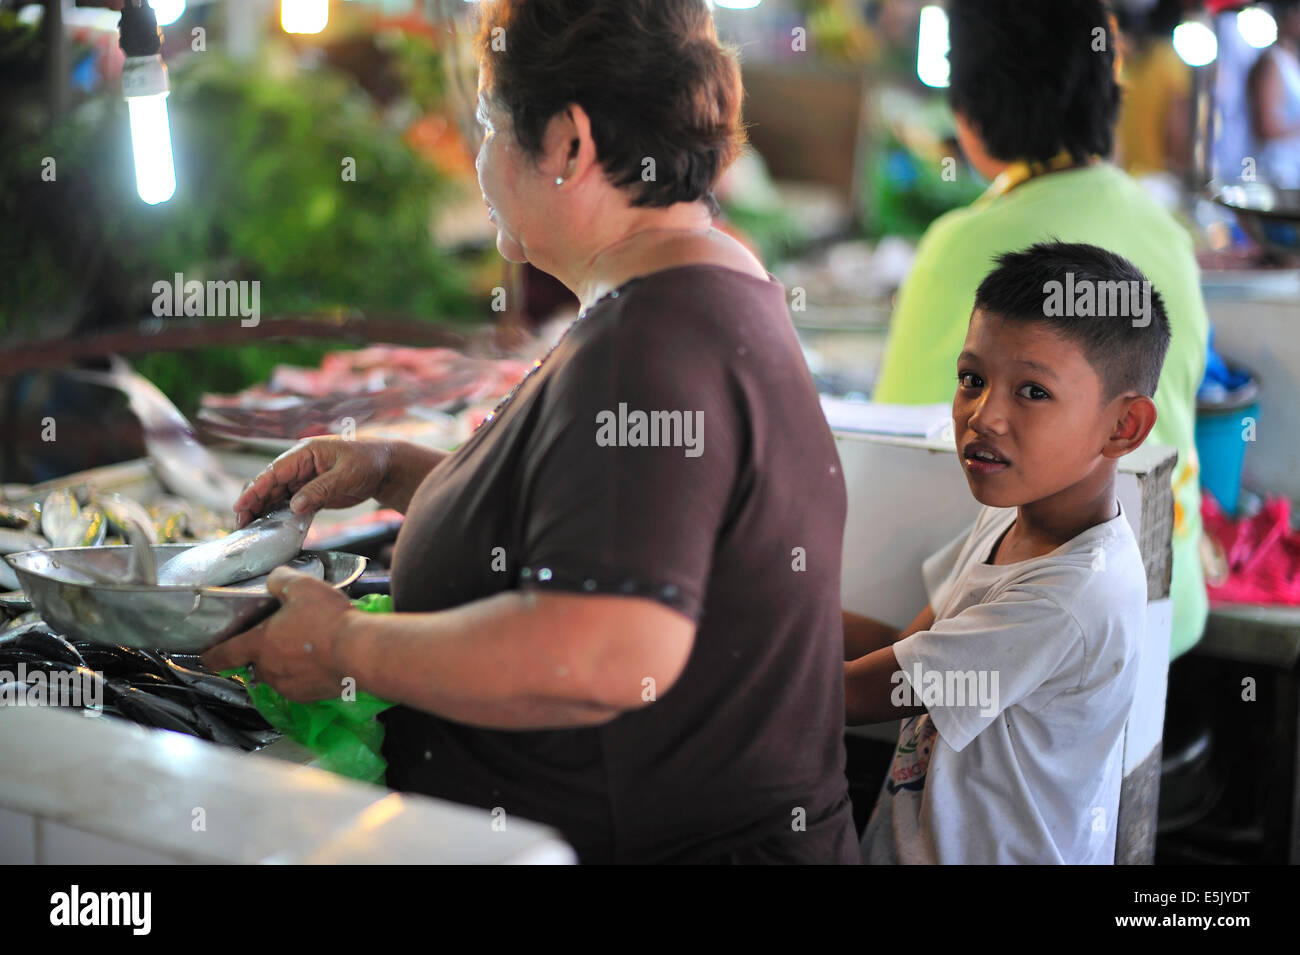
(1024, 767)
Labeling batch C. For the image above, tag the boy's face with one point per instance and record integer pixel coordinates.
(1032, 400)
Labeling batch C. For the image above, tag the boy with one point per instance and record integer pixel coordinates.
(1017, 678)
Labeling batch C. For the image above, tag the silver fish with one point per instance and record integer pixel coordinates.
(8, 579)
(260, 547)
(17, 518)
(304, 563)
(14, 601)
(22, 622)
(58, 510)
(185, 466)
(86, 529)
(206, 524)
(142, 568)
(15, 542)
(120, 511)
(170, 518)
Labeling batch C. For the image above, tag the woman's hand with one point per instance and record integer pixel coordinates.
(318, 473)
(296, 649)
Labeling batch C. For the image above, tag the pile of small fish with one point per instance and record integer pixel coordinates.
(168, 691)
(86, 517)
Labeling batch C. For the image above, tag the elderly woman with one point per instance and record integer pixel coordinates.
(618, 602)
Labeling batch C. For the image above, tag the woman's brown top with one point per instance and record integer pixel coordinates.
(672, 447)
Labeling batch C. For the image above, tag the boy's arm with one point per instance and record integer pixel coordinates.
(862, 635)
(869, 686)
(869, 680)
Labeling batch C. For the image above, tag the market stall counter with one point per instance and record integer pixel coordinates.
(161, 797)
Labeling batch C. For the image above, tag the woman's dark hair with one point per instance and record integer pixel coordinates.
(1035, 77)
(650, 74)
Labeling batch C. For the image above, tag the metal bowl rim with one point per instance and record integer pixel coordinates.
(218, 591)
(1217, 190)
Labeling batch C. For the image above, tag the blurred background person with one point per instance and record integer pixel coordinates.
(1273, 90)
(1154, 131)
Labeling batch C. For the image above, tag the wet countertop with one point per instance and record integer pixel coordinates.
(80, 789)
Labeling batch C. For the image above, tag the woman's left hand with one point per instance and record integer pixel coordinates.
(295, 650)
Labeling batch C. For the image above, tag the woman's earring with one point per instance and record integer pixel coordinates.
(559, 180)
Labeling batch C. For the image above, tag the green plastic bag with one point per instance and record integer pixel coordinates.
(344, 734)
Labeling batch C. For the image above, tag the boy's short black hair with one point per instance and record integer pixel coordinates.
(1028, 75)
(1125, 350)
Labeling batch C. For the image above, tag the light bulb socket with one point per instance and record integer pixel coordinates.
(138, 33)
(144, 76)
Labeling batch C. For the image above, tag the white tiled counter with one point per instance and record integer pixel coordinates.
(85, 790)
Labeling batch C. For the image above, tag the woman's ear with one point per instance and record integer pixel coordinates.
(1137, 416)
(568, 147)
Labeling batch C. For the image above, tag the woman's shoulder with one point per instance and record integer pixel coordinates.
(690, 323)
(702, 276)
(696, 295)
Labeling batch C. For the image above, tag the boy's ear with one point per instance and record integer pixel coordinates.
(1135, 417)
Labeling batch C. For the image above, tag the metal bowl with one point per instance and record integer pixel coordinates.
(1268, 215)
(62, 585)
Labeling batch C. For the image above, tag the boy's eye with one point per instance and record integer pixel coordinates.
(968, 379)
(1033, 392)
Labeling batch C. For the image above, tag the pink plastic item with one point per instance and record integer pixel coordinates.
(1263, 554)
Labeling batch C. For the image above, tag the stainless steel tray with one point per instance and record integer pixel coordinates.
(61, 584)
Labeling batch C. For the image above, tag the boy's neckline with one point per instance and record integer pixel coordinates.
(991, 555)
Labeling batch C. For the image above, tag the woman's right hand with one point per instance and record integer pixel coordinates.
(318, 473)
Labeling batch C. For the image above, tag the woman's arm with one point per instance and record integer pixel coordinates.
(409, 464)
(521, 660)
(335, 472)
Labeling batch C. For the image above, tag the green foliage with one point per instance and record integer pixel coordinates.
(20, 50)
(906, 192)
(772, 229)
(261, 194)
(419, 65)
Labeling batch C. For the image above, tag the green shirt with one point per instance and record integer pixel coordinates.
(1102, 206)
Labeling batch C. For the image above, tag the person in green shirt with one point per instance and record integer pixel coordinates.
(1033, 89)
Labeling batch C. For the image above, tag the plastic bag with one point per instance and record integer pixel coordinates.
(344, 734)
(1261, 554)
